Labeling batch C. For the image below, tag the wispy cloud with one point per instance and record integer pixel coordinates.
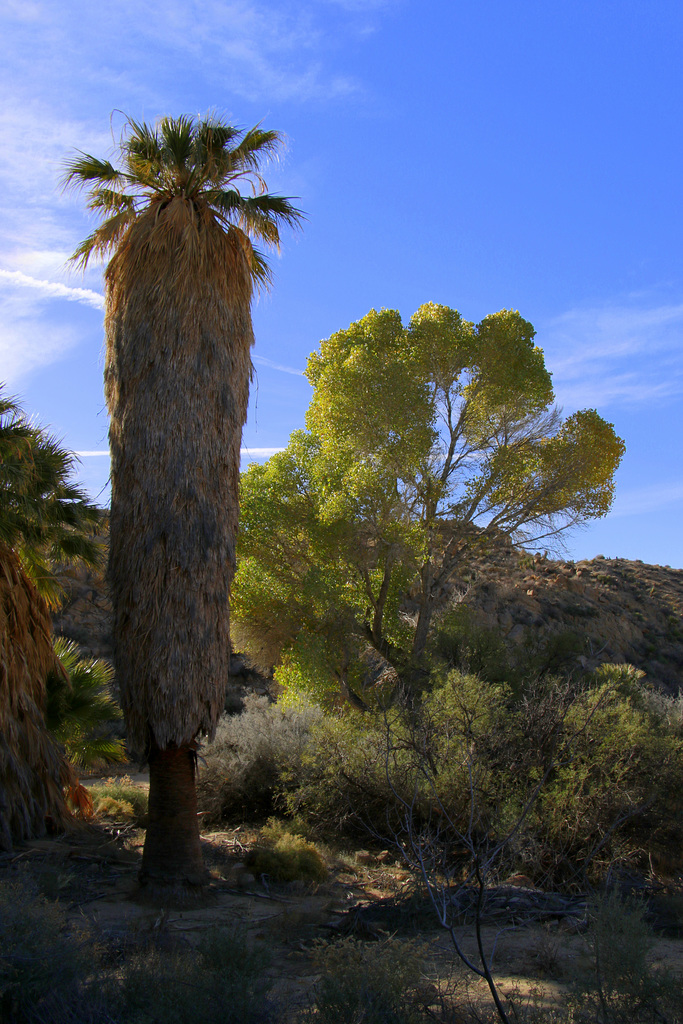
(27, 343)
(260, 453)
(604, 356)
(647, 499)
(52, 290)
(277, 366)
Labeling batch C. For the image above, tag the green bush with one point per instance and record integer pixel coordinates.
(285, 857)
(568, 762)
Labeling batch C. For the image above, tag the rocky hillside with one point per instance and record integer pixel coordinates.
(619, 610)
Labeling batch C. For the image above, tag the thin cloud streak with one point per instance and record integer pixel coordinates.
(258, 453)
(53, 290)
(277, 366)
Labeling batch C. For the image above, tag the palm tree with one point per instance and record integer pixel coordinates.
(33, 769)
(178, 334)
(44, 517)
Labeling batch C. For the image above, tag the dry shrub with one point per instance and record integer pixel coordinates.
(243, 770)
(120, 798)
(370, 983)
(53, 974)
(42, 964)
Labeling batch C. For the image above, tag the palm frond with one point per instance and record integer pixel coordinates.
(256, 144)
(104, 238)
(86, 168)
(80, 706)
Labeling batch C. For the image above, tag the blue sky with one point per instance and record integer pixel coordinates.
(485, 154)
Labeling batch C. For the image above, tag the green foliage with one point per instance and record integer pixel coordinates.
(377, 983)
(80, 707)
(602, 768)
(43, 517)
(423, 443)
(285, 857)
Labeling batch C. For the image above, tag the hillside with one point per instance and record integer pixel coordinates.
(618, 610)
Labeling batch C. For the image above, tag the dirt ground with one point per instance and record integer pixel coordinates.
(93, 869)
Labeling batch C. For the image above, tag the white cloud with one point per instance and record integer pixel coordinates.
(52, 290)
(26, 345)
(260, 453)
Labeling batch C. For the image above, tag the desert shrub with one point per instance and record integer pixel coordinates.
(246, 766)
(221, 982)
(120, 798)
(562, 765)
(285, 857)
(42, 964)
(53, 974)
(622, 986)
(459, 644)
(377, 983)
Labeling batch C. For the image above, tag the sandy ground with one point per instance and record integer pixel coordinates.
(93, 871)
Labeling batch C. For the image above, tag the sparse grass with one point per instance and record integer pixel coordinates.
(51, 973)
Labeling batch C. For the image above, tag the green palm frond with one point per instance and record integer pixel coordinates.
(80, 707)
(87, 168)
(206, 161)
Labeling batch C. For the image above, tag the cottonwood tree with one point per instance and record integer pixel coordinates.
(423, 443)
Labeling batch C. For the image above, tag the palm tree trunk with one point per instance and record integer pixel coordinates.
(172, 853)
